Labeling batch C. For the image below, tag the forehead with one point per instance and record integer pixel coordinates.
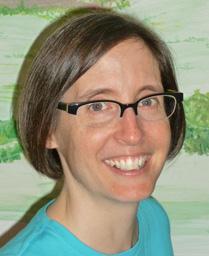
(128, 66)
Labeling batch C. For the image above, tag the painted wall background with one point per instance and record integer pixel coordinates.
(183, 187)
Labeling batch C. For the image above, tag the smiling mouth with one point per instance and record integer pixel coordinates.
(128, 164)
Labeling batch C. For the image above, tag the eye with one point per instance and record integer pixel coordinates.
(148, 102)
(97, 106)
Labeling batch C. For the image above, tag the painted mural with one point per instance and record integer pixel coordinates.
(183, 187)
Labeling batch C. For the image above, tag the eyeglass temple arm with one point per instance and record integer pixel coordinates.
(62, 106)
(68, 108)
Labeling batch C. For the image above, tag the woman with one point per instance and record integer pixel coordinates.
(100, 109)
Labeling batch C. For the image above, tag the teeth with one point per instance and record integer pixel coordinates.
(117, 163)
(128, 164)
(140, 161)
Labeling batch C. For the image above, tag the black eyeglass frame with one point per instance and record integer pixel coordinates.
(73, 107)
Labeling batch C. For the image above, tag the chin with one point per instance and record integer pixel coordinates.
(133, 193)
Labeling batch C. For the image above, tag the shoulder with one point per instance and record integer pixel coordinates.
(153, 203)
(155, 228)
(153, 209)
(26, 241)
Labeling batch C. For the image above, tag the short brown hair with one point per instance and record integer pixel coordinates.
(74, 45)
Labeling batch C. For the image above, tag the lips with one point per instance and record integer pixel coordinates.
(128, 163)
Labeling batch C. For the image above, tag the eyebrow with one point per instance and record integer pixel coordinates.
(151, 88)
(92, 93)
(89, 94)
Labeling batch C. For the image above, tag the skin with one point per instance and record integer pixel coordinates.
(98, 203)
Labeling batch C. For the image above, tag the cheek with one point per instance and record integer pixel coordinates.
(160, 135)
(82, 144)
(93, 139)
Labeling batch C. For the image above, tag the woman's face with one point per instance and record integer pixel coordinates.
(125, 73)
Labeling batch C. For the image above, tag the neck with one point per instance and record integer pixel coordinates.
(105, 225)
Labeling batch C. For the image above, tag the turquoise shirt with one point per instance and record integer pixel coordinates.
(46, 237)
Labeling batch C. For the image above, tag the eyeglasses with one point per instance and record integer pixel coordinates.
(153, 107)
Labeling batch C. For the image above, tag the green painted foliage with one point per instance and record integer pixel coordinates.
(10, 149)
(7, 131)
(46, 13)
(10, 152)
(197, 118)
(115, 4)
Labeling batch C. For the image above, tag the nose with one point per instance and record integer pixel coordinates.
(130, 129)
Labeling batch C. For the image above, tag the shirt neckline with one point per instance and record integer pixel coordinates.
(80, 247)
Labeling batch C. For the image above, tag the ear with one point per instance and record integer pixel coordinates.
(51, 142)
